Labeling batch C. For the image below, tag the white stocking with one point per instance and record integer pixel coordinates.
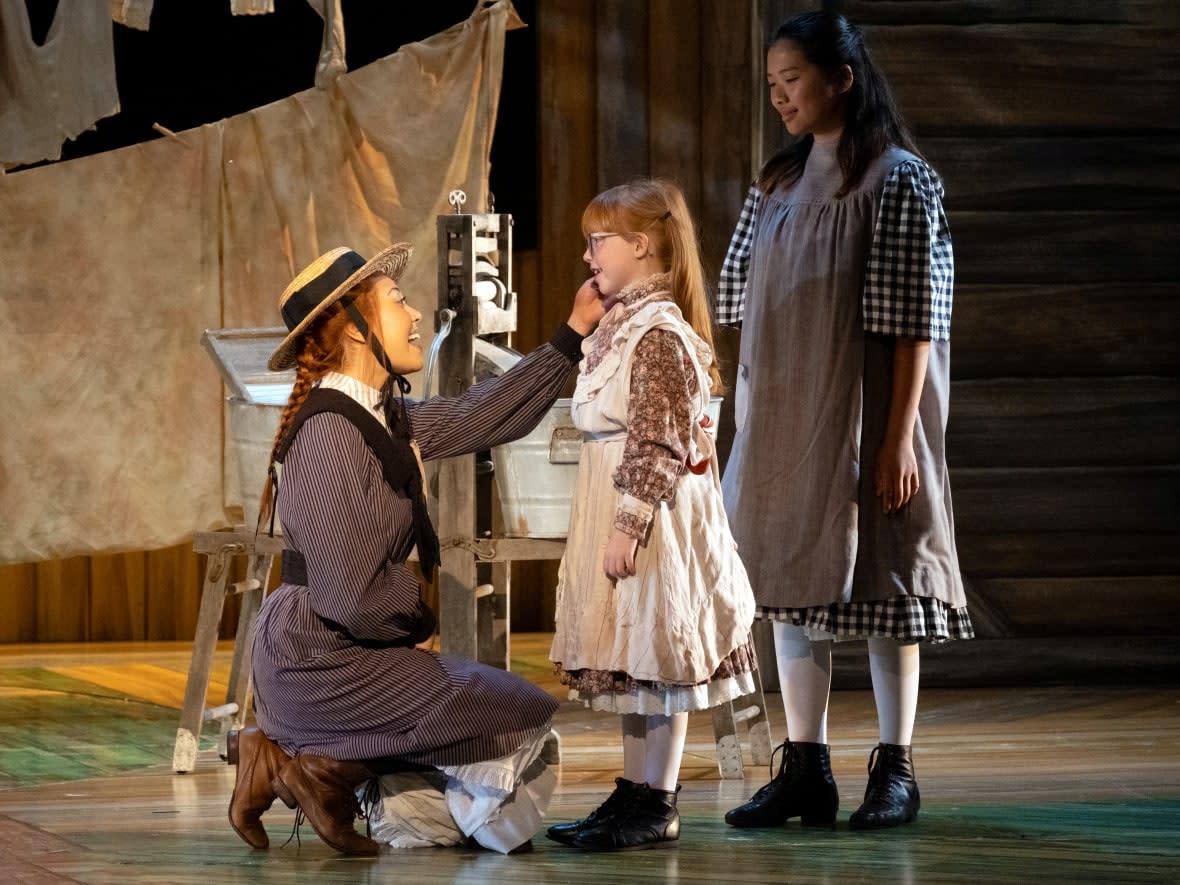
(665, 748)
(634, 746)
(805, 679)
(894, 668)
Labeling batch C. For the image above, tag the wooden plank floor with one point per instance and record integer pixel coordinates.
(1061, 783)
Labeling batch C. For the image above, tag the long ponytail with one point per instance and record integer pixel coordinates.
(688, 277)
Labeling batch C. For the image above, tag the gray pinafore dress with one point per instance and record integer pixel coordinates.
(811, 403)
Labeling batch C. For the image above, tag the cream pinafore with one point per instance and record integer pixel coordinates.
(689, 605)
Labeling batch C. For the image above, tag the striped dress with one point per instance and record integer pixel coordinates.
(334, 671)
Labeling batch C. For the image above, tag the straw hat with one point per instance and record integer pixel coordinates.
(324, 282)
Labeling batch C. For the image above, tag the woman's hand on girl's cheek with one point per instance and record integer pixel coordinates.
(588, 309)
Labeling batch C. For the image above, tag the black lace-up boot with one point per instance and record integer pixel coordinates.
(646, 818)
(566, 833)
(804, 787)
(891, 798)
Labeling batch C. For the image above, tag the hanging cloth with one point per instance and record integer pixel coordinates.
(331, 63)
(132, 13)
(52, 92)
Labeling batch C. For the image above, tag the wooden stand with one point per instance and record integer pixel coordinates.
(220, 548)
(747, 713)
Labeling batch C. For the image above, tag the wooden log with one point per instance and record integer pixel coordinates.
(1049, 553)
(567, 180)
(1089, 606)
(621, 94)
(1100, 172)
(727, 129)
(1003, 12)
(1098, 500)
(1066, 247)
(63, 599)
(18, 590)
(118, 597)
(1064, 422)
(174, 577)
(1024, 330)
(529, 315)
(674, 99)
(950, 79)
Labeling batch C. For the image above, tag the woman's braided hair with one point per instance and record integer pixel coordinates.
(321, 350)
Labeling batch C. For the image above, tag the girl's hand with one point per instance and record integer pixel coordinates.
(897, 474)
(619, 559)
(588, 309)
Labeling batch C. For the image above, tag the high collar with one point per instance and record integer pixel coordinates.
(369, 397)
(632, 298)
(632, 292)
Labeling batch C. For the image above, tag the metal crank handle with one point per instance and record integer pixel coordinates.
(445, 317)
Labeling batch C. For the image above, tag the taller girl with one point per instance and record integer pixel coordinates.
(840, 274)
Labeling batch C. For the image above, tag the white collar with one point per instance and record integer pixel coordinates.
(367, 396)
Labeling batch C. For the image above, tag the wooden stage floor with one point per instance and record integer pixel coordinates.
(1049, 783)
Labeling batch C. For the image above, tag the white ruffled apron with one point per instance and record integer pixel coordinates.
(689, 604)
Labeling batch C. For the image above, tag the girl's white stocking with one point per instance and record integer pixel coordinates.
(894, 668)
(805, 679)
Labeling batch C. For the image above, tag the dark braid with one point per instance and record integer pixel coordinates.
(320, 352)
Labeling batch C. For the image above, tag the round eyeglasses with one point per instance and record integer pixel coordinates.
(593, 241)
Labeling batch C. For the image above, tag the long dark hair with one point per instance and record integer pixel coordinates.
(872, 121)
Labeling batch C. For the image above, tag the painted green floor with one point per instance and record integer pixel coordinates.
(54, 728)
(1126, 841)
(1067, 786)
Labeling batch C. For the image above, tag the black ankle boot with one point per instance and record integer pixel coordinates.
(804, 787)
(891, 798)
(565, 833)
(647, 819)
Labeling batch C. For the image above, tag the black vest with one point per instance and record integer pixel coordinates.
(398, 463)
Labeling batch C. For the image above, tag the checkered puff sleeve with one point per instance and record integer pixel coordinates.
(731, 290)
(910, 273)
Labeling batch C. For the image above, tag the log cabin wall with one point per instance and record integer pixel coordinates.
(1055, 128)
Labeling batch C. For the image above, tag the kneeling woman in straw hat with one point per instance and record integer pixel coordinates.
(343, 694)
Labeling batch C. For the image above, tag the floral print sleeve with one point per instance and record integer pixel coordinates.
(659, 429)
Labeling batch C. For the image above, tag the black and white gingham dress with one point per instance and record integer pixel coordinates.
(821, 287)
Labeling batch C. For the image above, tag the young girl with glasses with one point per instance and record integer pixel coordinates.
(653, 605)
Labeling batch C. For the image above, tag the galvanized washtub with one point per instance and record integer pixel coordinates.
(535, 475)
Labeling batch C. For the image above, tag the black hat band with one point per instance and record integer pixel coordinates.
(303, 301)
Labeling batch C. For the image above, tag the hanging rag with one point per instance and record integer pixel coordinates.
(53, 91)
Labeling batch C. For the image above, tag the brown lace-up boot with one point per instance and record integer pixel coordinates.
(325, 790)
(259, 761)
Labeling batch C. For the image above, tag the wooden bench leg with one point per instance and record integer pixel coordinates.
(747, 713)
(188, 734)
(729, 747)
(757, 724)
(240, 689)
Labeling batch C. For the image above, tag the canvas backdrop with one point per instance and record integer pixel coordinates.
(112, 429)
